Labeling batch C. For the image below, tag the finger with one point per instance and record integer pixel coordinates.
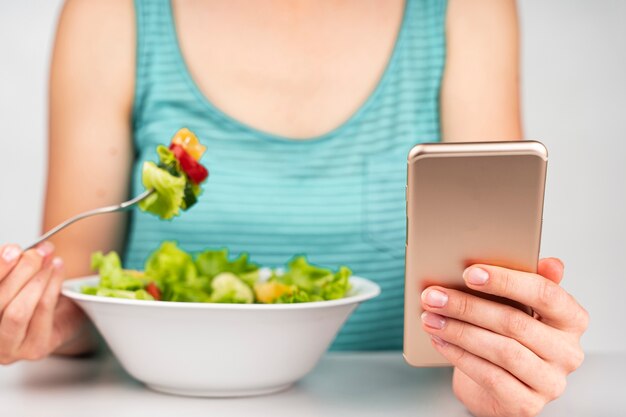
(502, 351)
(471, 394)
(499, 318)
(18, 313)
(505, 388)
(29, 264)
(556, 307)
(551, 268)
(9, 256)
(39, 335)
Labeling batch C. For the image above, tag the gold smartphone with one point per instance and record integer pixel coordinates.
(468, 203)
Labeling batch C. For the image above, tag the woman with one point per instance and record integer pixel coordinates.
(308, 109)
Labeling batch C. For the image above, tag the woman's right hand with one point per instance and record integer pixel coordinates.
(34, 319)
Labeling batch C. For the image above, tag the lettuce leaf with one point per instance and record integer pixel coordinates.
(213, 277)
(194, 292)
(313, 283)
(228, 288)
(131, 295)
(213, 262)
(168, 161)
(167, 199)
(170, 263)
(297, 296)
(175, 273)
(112, 275)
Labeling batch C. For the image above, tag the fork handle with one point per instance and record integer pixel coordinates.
(71, 220)
(102, 210)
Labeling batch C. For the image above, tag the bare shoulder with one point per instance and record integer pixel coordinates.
(93, 18)
(96, 41)
(480, 90)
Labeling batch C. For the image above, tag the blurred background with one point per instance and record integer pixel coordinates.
(574, 100)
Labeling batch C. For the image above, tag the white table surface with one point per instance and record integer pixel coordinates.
(343, 384)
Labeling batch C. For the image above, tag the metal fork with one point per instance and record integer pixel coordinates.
(102, 210)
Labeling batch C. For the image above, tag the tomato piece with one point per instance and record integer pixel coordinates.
(194, 170)
(153, 290)
(189, 142)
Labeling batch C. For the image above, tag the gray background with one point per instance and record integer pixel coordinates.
(574, 100)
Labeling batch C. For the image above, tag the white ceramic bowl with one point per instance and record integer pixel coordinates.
(218, 350)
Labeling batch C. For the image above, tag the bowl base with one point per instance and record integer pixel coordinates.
(212, 393)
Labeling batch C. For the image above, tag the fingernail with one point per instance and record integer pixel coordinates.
(10, 253)
(57, 262)
(438, 341)
(476, 276)
(45, 249)
(435, 298)
(433, 320)
(561, 262)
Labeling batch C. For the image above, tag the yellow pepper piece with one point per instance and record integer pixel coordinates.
(189, 142)
(135, 273)
(268, 292)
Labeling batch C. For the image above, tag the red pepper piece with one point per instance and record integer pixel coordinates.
(153, 290)
(194, 170)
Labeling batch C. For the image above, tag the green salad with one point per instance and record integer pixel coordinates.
(176, 178)
(172, 274)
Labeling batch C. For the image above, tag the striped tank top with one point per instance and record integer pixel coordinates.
(338, 198)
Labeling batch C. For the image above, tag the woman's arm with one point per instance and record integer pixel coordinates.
(90, 147)
(480, 97)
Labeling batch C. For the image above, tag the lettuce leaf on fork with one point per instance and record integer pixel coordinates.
(167, 199)
(175, 180)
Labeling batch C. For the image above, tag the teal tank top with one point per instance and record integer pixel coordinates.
(338, 198)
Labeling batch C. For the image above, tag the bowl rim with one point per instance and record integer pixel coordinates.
(367, 290)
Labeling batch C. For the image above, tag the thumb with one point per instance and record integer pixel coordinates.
(551, 268)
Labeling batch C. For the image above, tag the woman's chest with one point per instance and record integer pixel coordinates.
(298, 69)
(328, 198)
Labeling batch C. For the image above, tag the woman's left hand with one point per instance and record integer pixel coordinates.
(507, 363)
